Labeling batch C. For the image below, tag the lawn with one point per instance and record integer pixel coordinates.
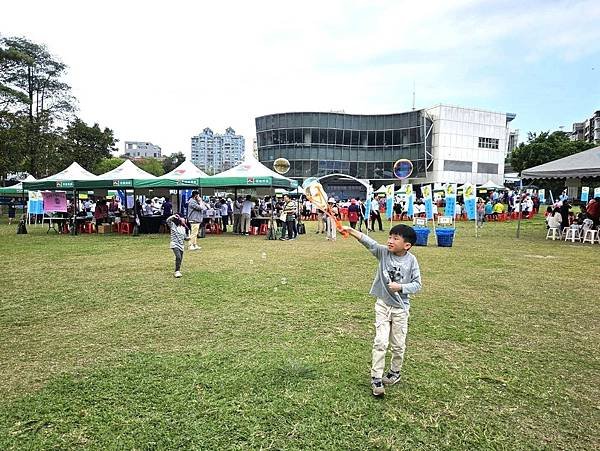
(266, 344)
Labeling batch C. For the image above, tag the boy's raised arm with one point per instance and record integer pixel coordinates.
(355, 233)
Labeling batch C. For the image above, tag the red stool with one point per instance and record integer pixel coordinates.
(253, 230)
(88, 227)
(125, 228)
(264, 229)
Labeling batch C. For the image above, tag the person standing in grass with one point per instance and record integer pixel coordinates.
(178, 233)
(398, 276)
(196, 209)
(12, 210)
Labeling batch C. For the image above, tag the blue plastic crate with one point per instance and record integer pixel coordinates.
(444, 237)
(422, 235)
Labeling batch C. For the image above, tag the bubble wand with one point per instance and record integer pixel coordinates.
(316, 194)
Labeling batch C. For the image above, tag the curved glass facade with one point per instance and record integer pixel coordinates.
(363, 146)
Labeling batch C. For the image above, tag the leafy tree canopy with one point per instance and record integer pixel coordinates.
(107, 164)
(151, 165)
(172, 161)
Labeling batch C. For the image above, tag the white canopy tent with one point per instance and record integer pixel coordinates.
(489, 185)
(185, 171)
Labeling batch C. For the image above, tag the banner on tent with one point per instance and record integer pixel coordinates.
(128, 182)
(469, 196)
(184, 197)
(597, 192)
(585, 193)
(55, 201)
(35, 204)
(65, 184)
(450, 194)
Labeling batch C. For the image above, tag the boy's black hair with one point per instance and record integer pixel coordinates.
(406, 232)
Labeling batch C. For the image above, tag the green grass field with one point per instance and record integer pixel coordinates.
(266, 345)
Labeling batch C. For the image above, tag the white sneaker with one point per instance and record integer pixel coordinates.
(178, 274)
(193, 248)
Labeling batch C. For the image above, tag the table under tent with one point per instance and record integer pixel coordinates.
(251, 174)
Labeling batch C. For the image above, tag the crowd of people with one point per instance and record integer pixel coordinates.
(559, 216)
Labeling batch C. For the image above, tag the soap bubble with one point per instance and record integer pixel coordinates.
(251, 261)
(403, 168)
(283, 281)
(263, 255)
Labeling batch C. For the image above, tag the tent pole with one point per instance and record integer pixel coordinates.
(136, 230)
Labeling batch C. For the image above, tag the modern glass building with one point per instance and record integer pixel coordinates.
(363, 146)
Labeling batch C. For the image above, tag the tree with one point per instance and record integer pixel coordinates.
(107, 164)
(31, 87)
(544, 148)
(86, 145)
(151, 165)
(172, 161)
(11, 143)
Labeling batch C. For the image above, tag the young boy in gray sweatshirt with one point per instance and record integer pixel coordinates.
(397, 277)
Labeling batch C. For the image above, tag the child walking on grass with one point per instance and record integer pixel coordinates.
(398, 275)
(178, 233)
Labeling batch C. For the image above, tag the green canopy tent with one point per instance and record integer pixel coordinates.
(16, 190)
(126, 175)
(186, 175)
(62, 180)
(249, 174)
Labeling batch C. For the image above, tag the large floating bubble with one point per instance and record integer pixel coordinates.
(281, 165)
(403, 168)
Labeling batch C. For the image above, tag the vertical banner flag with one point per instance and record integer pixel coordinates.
(123, 198)
(585, 193)
(469, 196)
(410, 201)
(368, 208)
(389, 201)
(426, 190)
(450, 193)
(184, 197)
(542, 196)
(35, 204)
(597, 192)
(54, 201)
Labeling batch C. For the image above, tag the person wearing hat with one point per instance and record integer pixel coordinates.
(331, 226)
(353, 213)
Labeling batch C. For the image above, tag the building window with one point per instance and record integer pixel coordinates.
(488, 143)
(487, 168)
(458, 166)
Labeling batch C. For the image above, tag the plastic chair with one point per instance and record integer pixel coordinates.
(572, 234)
(590, 236)
(264, 228)
(554, 233)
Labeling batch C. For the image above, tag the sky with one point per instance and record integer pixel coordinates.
(163, 71)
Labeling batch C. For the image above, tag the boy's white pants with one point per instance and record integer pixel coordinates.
(391, 326)
(331, 228)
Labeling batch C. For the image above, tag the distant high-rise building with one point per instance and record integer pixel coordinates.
(214, 153)
(138, 149)
(589, 130)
